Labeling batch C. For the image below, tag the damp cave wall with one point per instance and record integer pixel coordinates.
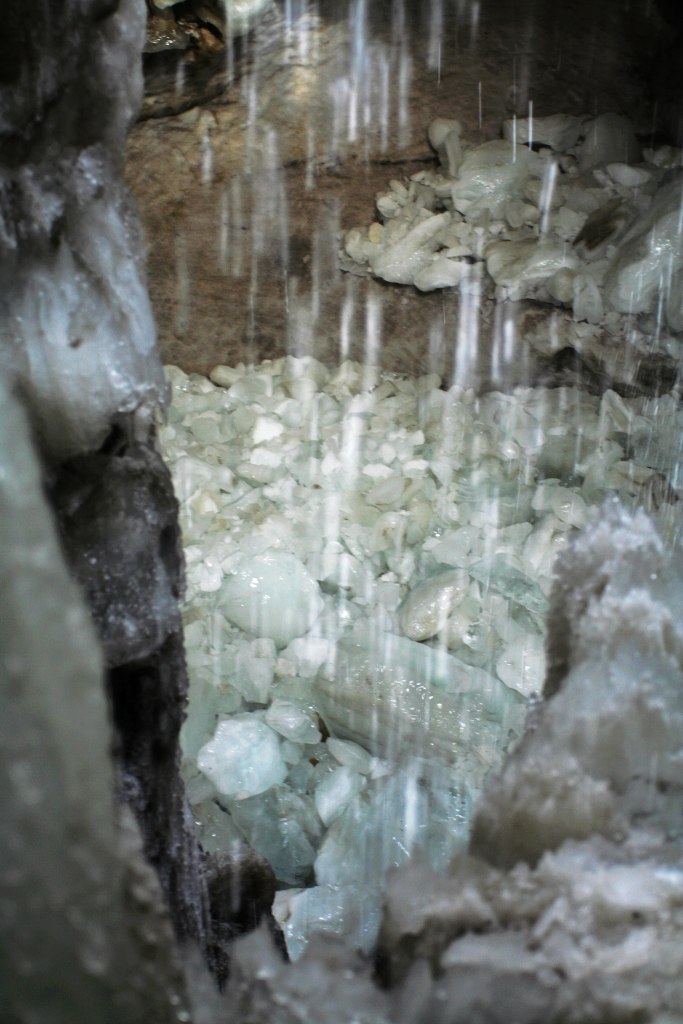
(91, 728)
(79, 355)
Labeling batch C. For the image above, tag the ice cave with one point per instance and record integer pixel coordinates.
(341, 470)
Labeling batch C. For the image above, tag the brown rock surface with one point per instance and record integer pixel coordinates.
(243, 198)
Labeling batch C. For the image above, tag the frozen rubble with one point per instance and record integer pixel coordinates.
(569, 211)
(369, 567)
(567, 904)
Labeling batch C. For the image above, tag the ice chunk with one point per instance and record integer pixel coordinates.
(445, 136)
(490, 174)
(349, 910)
(629, 177)
(282, 826)
(650, 252)
(442, 272)
(391, 694)
(497, 572)
(522, 664)
(609, 138)
(254, 669)
(559, 131)
(335, 790)
(516, 265)
(242, 758)
(421, 807)
(292, 722)
(401, 259)
(425, 610)
(271, 595)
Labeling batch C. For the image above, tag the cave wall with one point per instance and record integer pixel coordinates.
(79, 351)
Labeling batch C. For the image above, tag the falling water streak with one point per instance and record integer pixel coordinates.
(315, 280)
(514, 138)
(436, 347)
(373, 340)
(496, 371)
(435, 36)
(383, 70)
(237, 225)
(480, 105)
(179, 81)
(229, 73)
(404, 77)
(412, 814)
(303, 39)
(183, 290)
(474, 24)
(398, 21)
(465, 357)
(311, 162)
(206, 149)
(224, 230)
(530, 136)
(250, 95)
(547, 193)
(347, 312)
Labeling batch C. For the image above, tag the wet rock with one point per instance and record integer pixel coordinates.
(117, 517)
(242, 887)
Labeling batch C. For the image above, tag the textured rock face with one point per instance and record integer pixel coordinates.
(78, 345)
(83, 932)
(75, 321)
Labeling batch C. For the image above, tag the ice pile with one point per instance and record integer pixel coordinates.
(567, 210)
(370, 557)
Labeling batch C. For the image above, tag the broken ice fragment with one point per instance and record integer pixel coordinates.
(558, 131)
(392, 695)
(271, 595)
(334, 792)
(609, 138)
(517, 265)
(292, 722)
(282, 826)
(242, 758)
(426, 608)
(648, 265)
(511, 583)
(522, 664)
(490, 174)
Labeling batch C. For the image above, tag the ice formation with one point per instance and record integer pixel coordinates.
(419, 527)
(563, 209)
(569, 905)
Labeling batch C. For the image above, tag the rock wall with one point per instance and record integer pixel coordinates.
(79, 349)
